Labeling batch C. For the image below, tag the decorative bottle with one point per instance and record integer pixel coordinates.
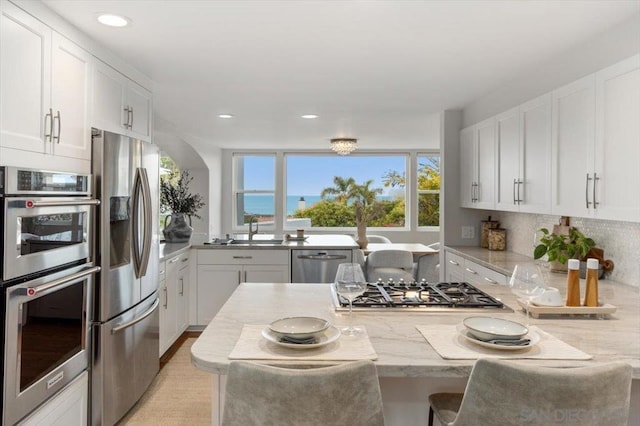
(591, 293)
(573, 283)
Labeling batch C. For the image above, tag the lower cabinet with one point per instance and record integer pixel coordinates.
(220, 272)
(458, 269)
(68, 408)
(174, 281)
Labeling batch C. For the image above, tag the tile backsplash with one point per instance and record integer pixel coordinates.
(619, 240)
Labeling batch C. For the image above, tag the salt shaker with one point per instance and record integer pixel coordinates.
(591, 293)
(573, 283)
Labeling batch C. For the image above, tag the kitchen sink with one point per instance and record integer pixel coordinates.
(254, 242)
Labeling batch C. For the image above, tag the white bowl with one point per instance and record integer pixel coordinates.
(486, 328)
(299, 327)
(550, 297)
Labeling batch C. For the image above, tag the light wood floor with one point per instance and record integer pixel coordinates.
(179, 395)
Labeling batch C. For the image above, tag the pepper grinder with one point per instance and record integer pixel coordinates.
(591, 293)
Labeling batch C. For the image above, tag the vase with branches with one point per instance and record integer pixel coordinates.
(176, 198)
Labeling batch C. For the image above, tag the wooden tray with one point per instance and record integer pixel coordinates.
(536, 311)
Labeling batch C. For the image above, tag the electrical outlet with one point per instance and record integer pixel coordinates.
(468, 232)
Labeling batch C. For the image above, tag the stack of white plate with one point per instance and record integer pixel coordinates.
(497, 333)
(301, 332)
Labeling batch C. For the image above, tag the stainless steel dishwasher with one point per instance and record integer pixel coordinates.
(317, 266)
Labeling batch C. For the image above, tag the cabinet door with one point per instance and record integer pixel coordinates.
(535, 150)
(572, 142)
(508, 153)
(215, 284)
(454, 268)
(617, 153)
(71, 77)
(467, 167)
(266, 274)
(25, 81)
(486, 164)
(107, 107)
(169, 305)
(139, 101)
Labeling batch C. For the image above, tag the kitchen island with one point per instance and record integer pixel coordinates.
(408, 366)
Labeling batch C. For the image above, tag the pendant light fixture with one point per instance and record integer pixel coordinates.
(343, 146)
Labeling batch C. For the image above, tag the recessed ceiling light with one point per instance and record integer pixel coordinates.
(112, 20)
(225, 116)
(309, 116)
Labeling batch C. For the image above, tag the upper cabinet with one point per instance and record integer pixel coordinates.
(596, 148)
(45, 84)
(477, 164)
(523, 146)
(119, 104)
(574, 152)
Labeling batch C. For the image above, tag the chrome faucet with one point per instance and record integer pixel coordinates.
(251, 231)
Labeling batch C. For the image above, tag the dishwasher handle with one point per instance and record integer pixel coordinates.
(322, 256)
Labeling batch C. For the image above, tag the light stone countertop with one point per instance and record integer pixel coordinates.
(401, 349)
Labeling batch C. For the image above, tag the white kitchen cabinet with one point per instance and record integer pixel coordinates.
(174, 300)
(523, 145)
(45, 88)
(220, 272)
(119, 104)
(572, 147)
(69, 407)
(616, 169)
(595, 145)
(459, 269)
(477, 164)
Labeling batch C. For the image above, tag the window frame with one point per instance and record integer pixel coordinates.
(235, 173)
(418, 191)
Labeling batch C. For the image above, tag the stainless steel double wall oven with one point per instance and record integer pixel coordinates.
(47, 280)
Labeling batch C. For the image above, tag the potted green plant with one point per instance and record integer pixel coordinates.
(176, 199)
(560, 248)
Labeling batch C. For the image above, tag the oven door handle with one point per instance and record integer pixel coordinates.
(48, 203)
(121, 327)
(33, 291)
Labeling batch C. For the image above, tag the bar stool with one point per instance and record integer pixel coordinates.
(385, 264)
(505, 393)
(344, 394)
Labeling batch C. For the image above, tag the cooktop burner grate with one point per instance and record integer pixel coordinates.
(421, 295)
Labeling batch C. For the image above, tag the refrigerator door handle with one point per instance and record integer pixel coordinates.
(121, 327)
(142, 249)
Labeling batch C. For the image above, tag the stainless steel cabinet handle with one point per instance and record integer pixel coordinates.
(33, 291)
(126, 123)
(131, 122)
(595, 181)
(514, 190)
(174, 260)
(37, 203)
(56, 138)
(181, 292)
(490, 280)
(454, 262)
(47, 137)
(519, 182)
(245, 276)
(119, 328)
(239, 276)
(586, 191)
(166, 298)
(186, 259)
(243, 257)
(471, 271)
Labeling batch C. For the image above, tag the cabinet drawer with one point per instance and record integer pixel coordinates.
(243, 257)
(479, 274)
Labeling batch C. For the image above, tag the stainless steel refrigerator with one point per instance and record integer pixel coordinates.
(126, 322)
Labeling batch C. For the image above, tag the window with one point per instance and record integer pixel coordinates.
(320, 190)
(168, 167)
(428, 178)
(254, 191)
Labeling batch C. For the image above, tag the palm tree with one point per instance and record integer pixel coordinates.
(363, 198)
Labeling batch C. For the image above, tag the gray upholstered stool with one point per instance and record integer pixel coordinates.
(378, 239)
(344, 394)
(502, 393)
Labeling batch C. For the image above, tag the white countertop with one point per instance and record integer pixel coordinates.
(402, 350)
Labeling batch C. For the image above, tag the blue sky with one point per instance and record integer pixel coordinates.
(309, 175)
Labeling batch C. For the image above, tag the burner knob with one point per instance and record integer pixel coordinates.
(390, 281)
(380, 281)
(423, 281)
(401, 281)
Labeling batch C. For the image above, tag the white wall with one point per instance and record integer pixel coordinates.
(607, 48)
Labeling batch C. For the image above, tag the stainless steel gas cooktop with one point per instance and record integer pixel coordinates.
(421, 297)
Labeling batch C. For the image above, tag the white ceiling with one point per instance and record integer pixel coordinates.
(374, 70)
